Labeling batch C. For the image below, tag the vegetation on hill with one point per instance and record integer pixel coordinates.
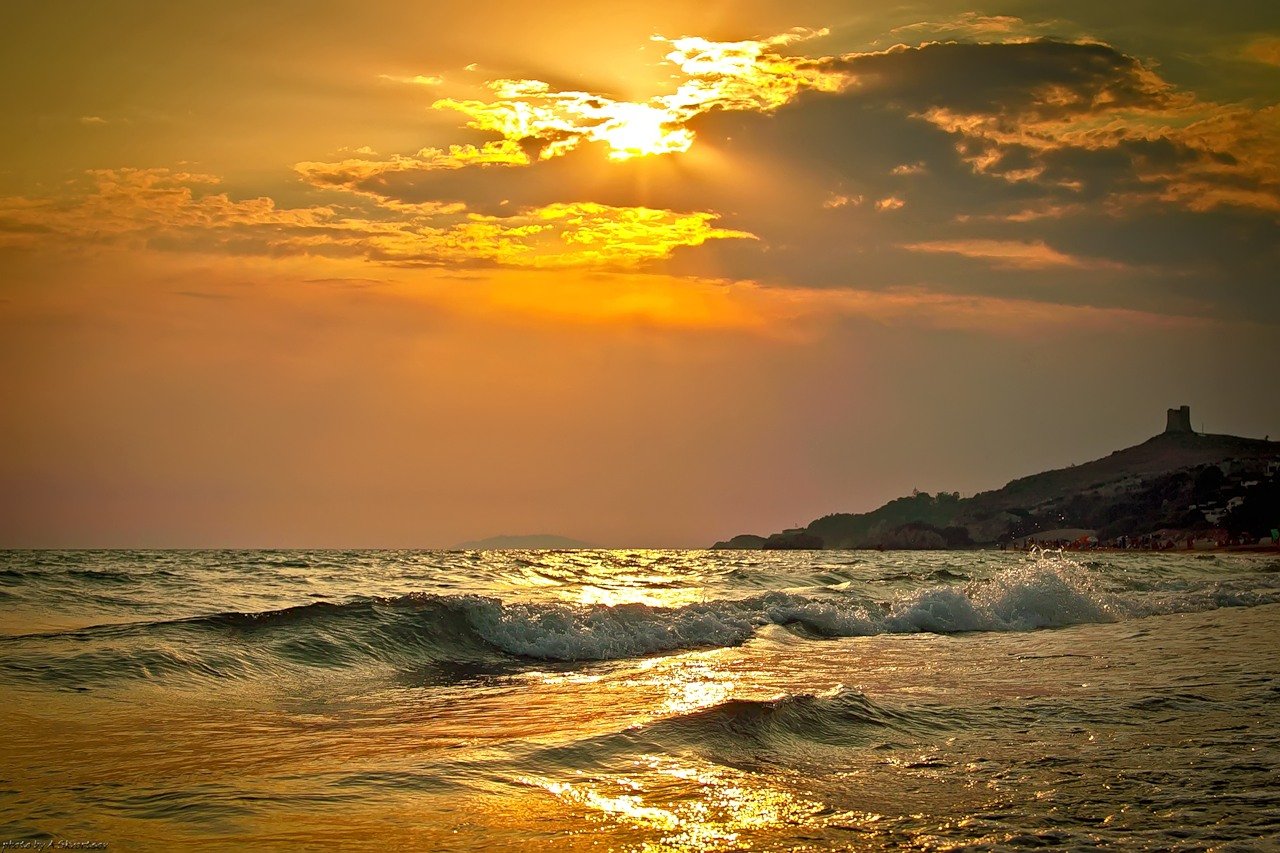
(1174, 482)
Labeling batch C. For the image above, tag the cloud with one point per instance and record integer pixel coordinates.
(757, 162)
(536, 122)
(159, 208)
(789, 313)
(992, 315)
(1012, 254)
(1046, 77)
(1065, 117)
(1033, 111)
(126, 205)
(1265, 49)
(745, 75)
(413, 80)
(975, 25)
(355, 172)
(1029, 212)
(1025, 142)
(837, 200)
(583, 234)
(542, 123)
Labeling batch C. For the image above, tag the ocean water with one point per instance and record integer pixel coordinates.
(639, 700)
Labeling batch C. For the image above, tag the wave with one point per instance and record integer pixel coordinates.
(839, 718)
(790, 730)
(471, 633)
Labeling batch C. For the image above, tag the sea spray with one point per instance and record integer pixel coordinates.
(424, 630)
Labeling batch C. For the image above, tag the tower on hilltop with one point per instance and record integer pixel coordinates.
(1179, 420)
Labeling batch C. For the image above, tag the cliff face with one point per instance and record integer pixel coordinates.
(1176, 480)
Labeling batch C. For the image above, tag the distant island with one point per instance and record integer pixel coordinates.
(1180, 489)
(532, 542)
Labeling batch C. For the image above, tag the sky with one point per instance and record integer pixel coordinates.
(338, 274)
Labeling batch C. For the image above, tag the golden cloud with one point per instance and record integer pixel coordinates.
(123, 204)
(1100, 100)
(164, 209)
(527, 114)
(746, 75)
(413, 79)
(1091, 99)
(352, 172)
(159, 207)
(1230, 156)
(582, 234)
(838, 200)
(782, 313)
(536, 122)
(1012, 254)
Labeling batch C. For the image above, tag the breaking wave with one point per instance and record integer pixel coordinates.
(421, 631)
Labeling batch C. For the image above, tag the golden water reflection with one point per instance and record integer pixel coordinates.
(694, 804)
(609, 597)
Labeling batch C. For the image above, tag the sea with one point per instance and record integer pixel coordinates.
(638, 700)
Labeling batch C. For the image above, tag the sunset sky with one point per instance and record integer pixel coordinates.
(406, 274)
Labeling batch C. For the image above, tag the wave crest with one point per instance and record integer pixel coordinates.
(416, 632)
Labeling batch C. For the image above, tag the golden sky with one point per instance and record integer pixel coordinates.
(408, 274)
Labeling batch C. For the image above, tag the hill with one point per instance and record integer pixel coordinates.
(1176, 484)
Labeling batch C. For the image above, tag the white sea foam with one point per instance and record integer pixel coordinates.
(1049, 593)
(558, 632)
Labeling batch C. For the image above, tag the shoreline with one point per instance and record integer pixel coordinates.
(1219, 549)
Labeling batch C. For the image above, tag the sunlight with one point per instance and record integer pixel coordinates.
(713, 810)
(636, 130)
(539, 122)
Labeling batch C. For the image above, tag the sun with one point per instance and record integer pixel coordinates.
(637, 130)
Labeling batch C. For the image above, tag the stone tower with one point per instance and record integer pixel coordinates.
(1179, 420)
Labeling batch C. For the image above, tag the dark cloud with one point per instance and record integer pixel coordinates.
(1060, 171)
(1156, 216)
(1004, 78)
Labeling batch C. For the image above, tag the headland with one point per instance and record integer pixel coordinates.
(1179, 489)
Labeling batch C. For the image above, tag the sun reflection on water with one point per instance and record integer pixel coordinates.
(664, 803)
(698, 805)
(690, 685)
